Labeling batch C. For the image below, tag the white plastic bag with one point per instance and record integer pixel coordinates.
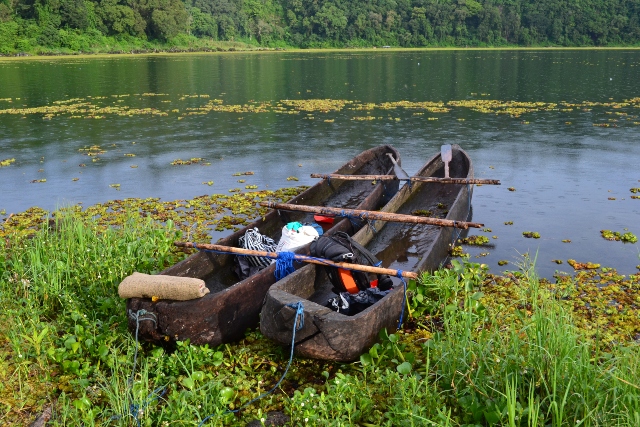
(295, 236)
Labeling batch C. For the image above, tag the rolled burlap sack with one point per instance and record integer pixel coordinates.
(140, 285)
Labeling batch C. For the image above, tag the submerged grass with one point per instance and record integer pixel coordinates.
(480, 350)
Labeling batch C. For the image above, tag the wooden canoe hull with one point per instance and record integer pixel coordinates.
(330, 335)
(233, 306)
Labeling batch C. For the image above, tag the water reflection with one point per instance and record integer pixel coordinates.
(563, 168)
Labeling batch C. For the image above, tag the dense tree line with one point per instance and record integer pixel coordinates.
(77, 25)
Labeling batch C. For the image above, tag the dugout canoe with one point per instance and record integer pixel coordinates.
(329, 335)
(232, 306)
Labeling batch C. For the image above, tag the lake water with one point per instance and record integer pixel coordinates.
(560, 127)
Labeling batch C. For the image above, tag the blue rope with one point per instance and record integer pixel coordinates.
(135, 410)
(298, 324)
(404, 299)
(284, 264)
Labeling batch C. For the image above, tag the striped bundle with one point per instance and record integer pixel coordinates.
(255, 241)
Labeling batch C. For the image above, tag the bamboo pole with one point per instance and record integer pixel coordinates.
(297, 257)
(374, 215)
(413, 178)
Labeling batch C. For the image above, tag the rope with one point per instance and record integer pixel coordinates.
(299, 317)
(136, 410)
(404, 299)
(284, 265)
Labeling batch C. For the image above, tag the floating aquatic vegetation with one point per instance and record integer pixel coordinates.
(603, 303)
(6, 162)
(209, 183)
(487, 230)
(635, 197)
(635, 190)
(611, 198)
(508, 223)
(474, 240)
(133, 166)
(39, 180)
(129, 155)
(242, 181)
(627, 237)
(557, 261)
(234, 190)
(75, 179)
(566, 241)
(196, 217)
(457, 251)
(250, 187)
(503, 262)
(511, 189)
(531, 234)
(582, 265)
(422, 212)
(116, 186)
(242, 173)
(441, 206)
(92, 151)
(292, 178)
(193, 161)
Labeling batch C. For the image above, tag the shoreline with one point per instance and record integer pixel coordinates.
(235, 49)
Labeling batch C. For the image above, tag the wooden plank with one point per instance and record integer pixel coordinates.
(296, 257)
(373, 215)
(413, 179)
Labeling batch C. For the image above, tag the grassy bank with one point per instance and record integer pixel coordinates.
(476, 349)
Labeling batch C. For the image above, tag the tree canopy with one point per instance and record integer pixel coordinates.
(76, 25)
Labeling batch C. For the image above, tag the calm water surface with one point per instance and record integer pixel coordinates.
(571, 178)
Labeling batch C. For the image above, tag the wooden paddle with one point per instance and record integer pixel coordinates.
(374, 215)
(400, 173)
(297, 257)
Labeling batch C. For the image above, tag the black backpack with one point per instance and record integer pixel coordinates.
(340, 247)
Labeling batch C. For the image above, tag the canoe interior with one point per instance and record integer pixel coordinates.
(217, 270)
(412, 247)
(329, 335)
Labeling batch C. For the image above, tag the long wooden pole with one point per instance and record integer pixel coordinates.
(297, 257)
(413, 178)
(374, 215)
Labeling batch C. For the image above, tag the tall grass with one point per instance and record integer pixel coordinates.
(471, 361)
(536, 371)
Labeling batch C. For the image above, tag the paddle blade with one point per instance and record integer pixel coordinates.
(445, 153)
(400, 173)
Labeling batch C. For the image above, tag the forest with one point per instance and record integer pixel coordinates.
(91, 26)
